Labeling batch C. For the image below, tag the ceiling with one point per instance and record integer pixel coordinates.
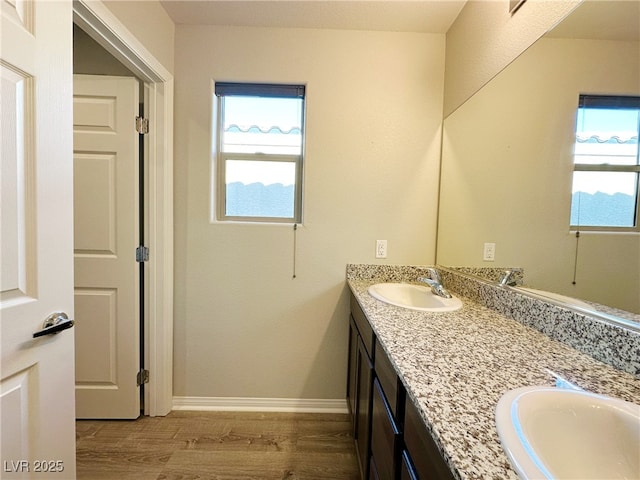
(424, 16)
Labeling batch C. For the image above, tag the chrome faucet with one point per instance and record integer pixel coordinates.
(508, 277)
(435, 282)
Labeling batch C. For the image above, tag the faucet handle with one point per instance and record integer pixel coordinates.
(510, 277)
(434, 274)
(427, 280)
(435, 282)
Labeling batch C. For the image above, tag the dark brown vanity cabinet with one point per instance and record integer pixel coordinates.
(391, 439)
(360, 383)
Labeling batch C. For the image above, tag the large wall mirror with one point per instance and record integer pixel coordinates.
(507, 162)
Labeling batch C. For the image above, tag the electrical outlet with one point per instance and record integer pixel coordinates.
(381, 249)
(489, 252)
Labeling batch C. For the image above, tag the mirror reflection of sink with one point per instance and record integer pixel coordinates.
(558, 433)
(570, 301)
(414, 297)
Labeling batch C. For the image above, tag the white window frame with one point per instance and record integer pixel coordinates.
(581, 167)
(221, 158)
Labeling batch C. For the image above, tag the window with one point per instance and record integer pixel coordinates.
(260, 138)
(606, 164)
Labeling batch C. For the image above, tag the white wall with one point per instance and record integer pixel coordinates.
(508, 166)
(485, 38)
(243, 326)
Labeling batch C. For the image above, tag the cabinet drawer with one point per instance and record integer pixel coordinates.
(364, 328)
(424, 453)
(391, 385)
(385, 436)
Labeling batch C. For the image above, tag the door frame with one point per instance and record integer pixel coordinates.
(105, 28)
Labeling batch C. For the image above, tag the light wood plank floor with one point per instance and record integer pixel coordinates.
(217, 446)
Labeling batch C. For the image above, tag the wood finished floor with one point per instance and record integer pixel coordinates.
(217, 446)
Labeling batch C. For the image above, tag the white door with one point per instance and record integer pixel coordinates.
(36, 240)
(107, 286)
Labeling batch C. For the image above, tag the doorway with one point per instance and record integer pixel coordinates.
(109, 226)
(104, 28)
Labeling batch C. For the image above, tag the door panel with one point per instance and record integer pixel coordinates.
(36, 238)
(106, 236)
(16, 422)
(99, 305)
(17, 192)
(95, 195)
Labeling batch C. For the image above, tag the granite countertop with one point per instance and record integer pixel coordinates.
(456, 365)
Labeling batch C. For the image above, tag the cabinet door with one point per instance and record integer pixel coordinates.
(406, 469)
(373, 471)
(352, 380)
(385, 435)
(363, 429)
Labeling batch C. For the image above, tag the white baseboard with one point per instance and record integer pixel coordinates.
(240, 404)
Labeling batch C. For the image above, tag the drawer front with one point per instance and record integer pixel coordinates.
(385, 436)
(424, 453)
(366, 332)
(393, 391)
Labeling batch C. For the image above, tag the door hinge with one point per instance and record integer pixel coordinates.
(142, 125)
(143, 377)
(142, 254)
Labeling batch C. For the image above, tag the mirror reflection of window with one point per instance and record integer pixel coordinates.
(606, 163)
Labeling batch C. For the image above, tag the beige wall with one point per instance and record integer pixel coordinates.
(485, 38)
(150, 23)
(243, 326)
(90, 58)
(507, 172)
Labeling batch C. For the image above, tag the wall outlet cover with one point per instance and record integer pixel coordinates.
(381, 249)
(489, 254)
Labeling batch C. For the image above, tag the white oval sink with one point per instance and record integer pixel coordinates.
(552, 432)
(414, 297)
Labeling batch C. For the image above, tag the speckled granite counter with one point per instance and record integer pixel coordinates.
(455, 366)
(493, 274)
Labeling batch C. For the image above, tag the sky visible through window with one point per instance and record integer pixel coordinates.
(610, 134)
(605, 137)
(279, 125)
(261, 144)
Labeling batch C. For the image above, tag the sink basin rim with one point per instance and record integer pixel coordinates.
(513, 438)
(395, 293)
